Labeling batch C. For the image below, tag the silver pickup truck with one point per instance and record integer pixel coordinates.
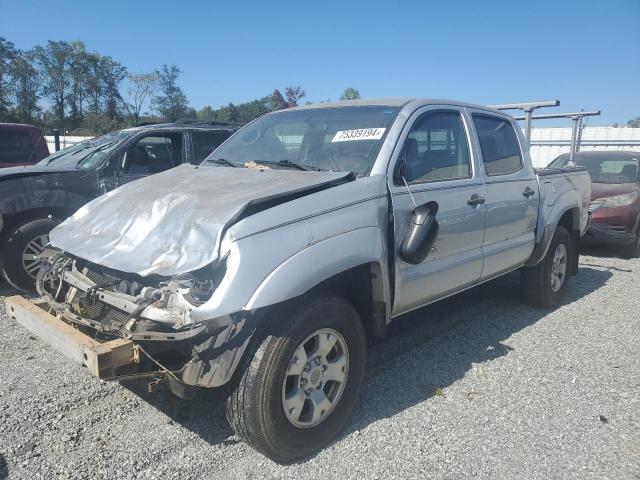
(265, 268)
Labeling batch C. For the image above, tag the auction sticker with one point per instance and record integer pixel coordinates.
(360, 134)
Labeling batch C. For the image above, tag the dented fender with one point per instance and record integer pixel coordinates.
(553, 207)
(311, 266)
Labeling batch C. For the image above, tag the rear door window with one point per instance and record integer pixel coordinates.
(206, 142)
(499, 144)
(15, 146)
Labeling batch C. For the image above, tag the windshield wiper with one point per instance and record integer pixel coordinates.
(288, 163)
(222, 161)
(61, 154)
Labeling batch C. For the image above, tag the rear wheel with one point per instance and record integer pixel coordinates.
(19, 249)
(544, 284)
(300, 387)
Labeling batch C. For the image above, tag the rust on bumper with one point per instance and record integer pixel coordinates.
(105, 360)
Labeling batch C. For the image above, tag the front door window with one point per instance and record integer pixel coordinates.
(153, 154)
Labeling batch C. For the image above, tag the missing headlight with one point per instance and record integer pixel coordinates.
(200, 292)
(202, 283)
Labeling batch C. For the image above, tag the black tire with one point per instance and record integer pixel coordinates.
(633, 249)
(13, 246)
(255, 404)
(537, 281)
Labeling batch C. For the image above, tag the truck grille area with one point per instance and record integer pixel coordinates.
(87, 305)
(108, 300)
(96, 277)
(93, 309)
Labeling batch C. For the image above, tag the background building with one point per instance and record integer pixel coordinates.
(548, 143)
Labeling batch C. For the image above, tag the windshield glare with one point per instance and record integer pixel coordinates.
(87, 154)
(336, 139)
(613, 169)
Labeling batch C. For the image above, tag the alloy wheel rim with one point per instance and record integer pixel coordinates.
(30, 262)
(315, 378)
(559, 267)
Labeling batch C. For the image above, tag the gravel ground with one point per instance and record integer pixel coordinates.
(479, 385)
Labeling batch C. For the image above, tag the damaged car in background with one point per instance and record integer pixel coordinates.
(34, 199)
(264, 268)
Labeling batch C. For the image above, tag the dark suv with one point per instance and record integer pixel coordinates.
(21, 145)
(35, 199)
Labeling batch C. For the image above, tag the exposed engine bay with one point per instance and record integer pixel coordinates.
(153, 312)
(124, 304)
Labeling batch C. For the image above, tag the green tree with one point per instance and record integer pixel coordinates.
(93, 83)
(78, 72)
(236, 113)
(26, 87)
(350, 94)
(99, 124)
(207, 113)
(7, 55)
(141, 88)
(55, 62)
(112, 75)
(172, 102)
(277, 100)
(291, 97)
(251, 110)
(634, 123)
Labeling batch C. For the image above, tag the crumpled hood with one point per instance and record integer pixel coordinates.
(173, 222)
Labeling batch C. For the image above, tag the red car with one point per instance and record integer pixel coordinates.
(615, 198)
(21, 145)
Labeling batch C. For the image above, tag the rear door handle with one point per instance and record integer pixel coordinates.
(475, 200)
(528, 192)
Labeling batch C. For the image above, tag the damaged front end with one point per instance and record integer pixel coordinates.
(154, 313)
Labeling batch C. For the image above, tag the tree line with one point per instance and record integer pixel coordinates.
(64, 85)
(633, 123)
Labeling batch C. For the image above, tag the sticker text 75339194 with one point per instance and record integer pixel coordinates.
(359, 134)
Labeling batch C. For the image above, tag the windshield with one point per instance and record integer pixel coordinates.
(611, 169)
(87, 154)
(336, 139)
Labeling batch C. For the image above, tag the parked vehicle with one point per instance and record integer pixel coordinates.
(21, 145)
(35, 199)
(264, 268)
(615, 195)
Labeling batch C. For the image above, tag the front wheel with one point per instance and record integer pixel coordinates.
(632, 250)
(19, 250)
(544, 285)
(300, 387)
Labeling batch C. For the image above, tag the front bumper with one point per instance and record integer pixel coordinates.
(105, 360)
(606, 233)
(214, 355)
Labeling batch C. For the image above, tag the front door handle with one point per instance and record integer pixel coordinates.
(528, 192)
(475, 200)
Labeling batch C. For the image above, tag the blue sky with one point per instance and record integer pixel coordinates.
(585, 53)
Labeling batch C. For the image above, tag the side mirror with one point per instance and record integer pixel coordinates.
(421, 234)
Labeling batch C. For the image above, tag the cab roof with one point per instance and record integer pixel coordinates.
(398, 102)
(184, 126)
